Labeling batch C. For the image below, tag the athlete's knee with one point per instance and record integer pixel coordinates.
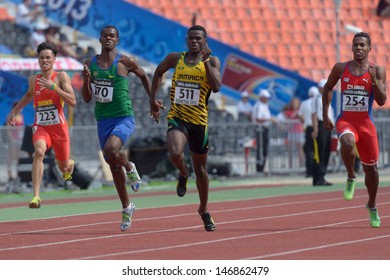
(39, 152)
(175, 156)
(348, 147)
(110, 154)
(371, 170)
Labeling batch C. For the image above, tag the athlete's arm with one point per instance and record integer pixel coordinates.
(65, 89)
(86, 91)
(378, 76)
(327, 93)
(213, 68)
(169, 62)
(131, 65)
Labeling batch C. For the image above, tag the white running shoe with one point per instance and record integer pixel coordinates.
(126, 217)
(134, 178)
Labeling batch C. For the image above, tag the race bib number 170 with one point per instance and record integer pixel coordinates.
(102, 90)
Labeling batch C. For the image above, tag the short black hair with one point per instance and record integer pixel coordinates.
(110, 26)
(47, 46)
(198, 27)
(365, 35)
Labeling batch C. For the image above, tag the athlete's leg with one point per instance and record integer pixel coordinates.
(348, 153)
(372, 181)
(202, 180)
(40, 147)
(176, 141)
(117, 160)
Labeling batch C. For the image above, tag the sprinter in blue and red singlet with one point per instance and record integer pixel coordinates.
(362, 82)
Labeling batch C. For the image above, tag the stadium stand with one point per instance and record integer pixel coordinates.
(275, 30)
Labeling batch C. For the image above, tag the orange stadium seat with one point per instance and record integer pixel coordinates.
(4, 15)
(303, 4)
(250, 37)
(247, 25)
(235, 26)
(281, 13)
(330, 14)
(252, 4)
(305, 14)
(294, 50)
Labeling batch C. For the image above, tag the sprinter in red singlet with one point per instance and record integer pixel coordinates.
(49, 91)
(362, 82)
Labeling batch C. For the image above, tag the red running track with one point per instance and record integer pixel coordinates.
(319, 226)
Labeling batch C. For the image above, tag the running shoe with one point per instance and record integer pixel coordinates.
(134, 178)
(375, 221)
(35, 202)
(68, 175)
(181, 187)
(126, 217)
(207, 221)
(349, 189)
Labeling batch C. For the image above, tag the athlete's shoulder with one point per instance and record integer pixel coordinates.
(173, 58)
(88, 61)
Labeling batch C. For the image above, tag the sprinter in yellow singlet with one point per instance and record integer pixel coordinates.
(196, 75)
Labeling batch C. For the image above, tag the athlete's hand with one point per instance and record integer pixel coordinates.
(86, 72)
(328, 124)
(11, 119)
(45, 83)
(372, 71)
(206, 52)
(155, 107)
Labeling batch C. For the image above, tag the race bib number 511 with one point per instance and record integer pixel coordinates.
(187, 93)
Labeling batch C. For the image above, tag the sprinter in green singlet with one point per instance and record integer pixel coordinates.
(196, 75)
(106, 79)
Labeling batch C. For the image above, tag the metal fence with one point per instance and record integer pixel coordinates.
(230, 142)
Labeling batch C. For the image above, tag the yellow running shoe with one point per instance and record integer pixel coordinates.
(349, 189)
(68, 175)
(35, 202)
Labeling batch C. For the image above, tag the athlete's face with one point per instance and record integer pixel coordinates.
(196, 40)
(109, 38)
(360, 48)
(46, 59)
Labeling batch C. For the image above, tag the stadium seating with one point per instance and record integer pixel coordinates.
(285, 23)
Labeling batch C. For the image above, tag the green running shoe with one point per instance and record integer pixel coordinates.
(349, 189)
(375, 221)
(35, 202)
(126, 217)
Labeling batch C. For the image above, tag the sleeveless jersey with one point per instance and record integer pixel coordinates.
(190, 92)
(48, 105)
(356, 117)
(356, 96)
(111, 91)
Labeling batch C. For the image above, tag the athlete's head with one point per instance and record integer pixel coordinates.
(109, 37)
(364, 35)
(198, 27)
(361, 46)
(109, 27)
(196, 38)
(47, 46)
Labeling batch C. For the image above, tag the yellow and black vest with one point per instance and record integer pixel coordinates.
(190, 92)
